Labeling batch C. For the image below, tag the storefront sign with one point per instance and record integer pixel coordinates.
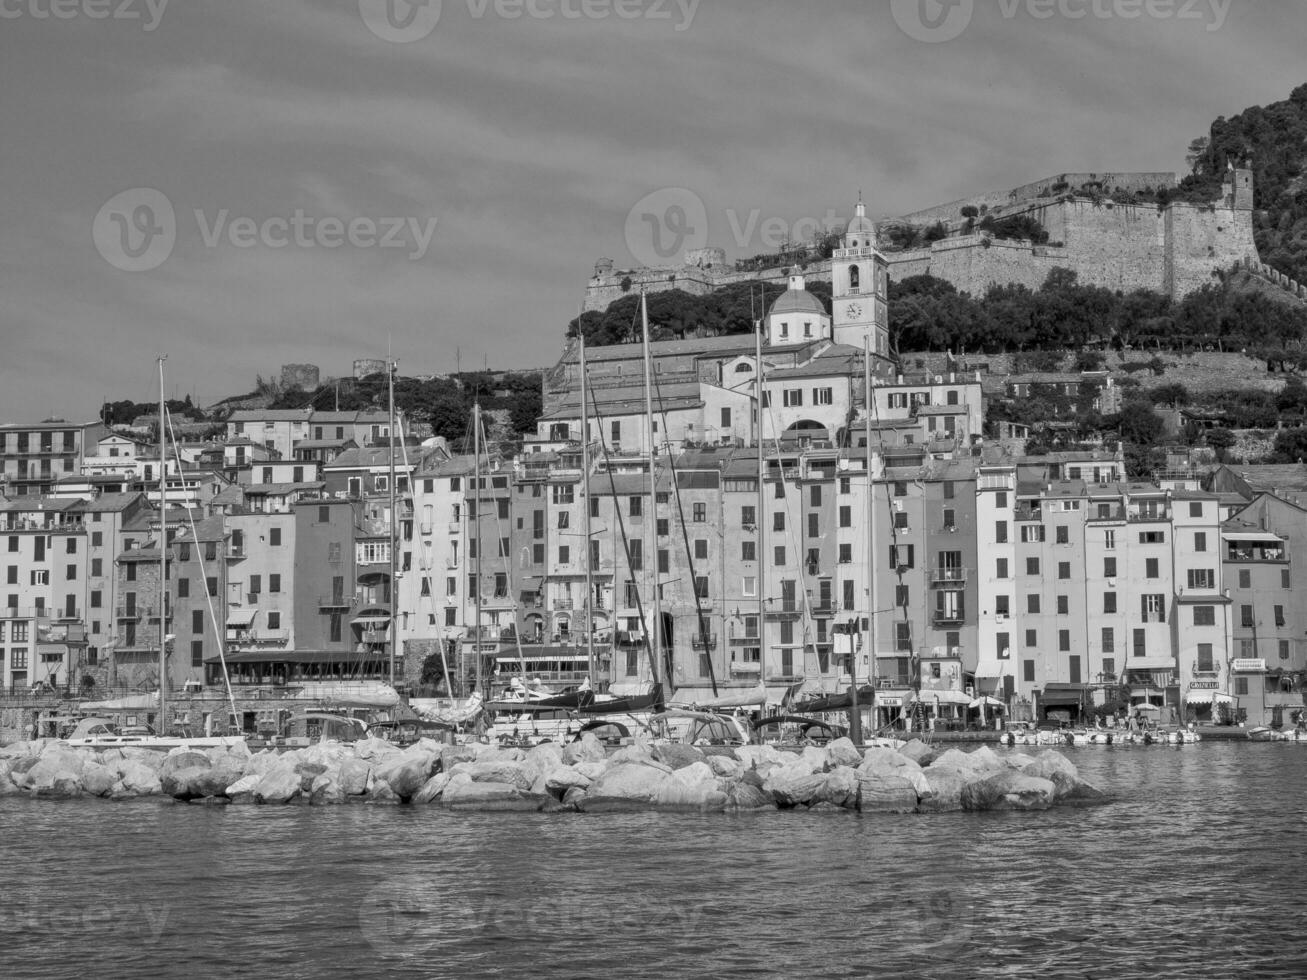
(1249, 666)
(891, 701)
(1203, 685)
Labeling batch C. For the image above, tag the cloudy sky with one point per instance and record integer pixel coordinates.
(309, 180)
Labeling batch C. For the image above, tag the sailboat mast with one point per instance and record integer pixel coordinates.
(163, 563)
(761, 501)
(476, 518)
(394, 516)
(585, 523)
(651, 519)
(869, 639)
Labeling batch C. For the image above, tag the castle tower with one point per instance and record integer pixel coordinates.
(797, 316)
(1243, 188)
(859, 286)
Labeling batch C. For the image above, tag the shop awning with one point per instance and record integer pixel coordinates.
(345, 658)
(1061, 694)
(1156, 662)
(371, 620)
(928, 697)
(241, 617)
(1207, 697)
(1251, 536)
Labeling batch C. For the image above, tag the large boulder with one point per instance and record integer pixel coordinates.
(842, 752)
(406, 772)
(791, 786)
(225, 770)
(725, 766)
(242, 787)
(1008, 790)
(888, 762)
(517, 774)
(354, 775)
(432, 788)
(545, 758)
(452, 755)
(637, 755)
(374, 748)
(918, 751)
(677, 756)
(179, 783)
(693, 787)
(278, 785)
(970, 765)
(138, 779)
(325, 791)
(885, 792)
(624, 787)
(489, 796)
(180, 759)
(746, 795)
(943, 793)
(558, 782)
(586, 749)
(755, 756)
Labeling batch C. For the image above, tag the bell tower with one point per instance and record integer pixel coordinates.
(859, 287)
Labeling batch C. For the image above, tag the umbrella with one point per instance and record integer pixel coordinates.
(1146, 707)
(985, 701)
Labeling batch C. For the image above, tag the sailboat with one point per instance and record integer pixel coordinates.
(98, 733)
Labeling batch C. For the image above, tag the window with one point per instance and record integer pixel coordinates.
(1284, 649)
(1000, 568)
(1139, 646)
(701, 586)
(664, 527)
(636, 551)
(1063, 605)
(814, 525)
(1032, 566)
(700, 513)
(1152, 537)
(1109, 602)
(1028, 671)
(1000, 532)
(274, 583)
(750, 586)
(778, 554)
(71, 546)
(1064, 640)
(846, 516)
(1109, 540)
(814, 495)
(951, 519)
(1279, 615)
(96, 598)
(635, 506)
(903, 637)
(1064, 569)
(846, 554)
(1003, 642)
(1150, 568)
(1109, 640)
(1153, 608)
(700, 549)
(1032, 603)
(197, 620)
(564, 554)
(1245, 578)
(902, 555)
(1284, 578)
(822, 396)
(778, 521)
(1109, 568)
(1195, 509)
(1063, 534)
(324, 515)
(1001, 605)
(1204, 615)
(183, 588)
(748, 516)
(70, 573)
(726, 417)
(901, 520)
(1202, 578)
(1200, 541)
(792, 397)
(1245, 615)
(1032, 638)
(1241, 686)
(1032, 533)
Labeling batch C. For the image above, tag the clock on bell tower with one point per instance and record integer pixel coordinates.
(859, 282)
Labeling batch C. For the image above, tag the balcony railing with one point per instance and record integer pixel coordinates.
(563, 605)
(951, 618)
(948, 576)
(455, 527)
(334, 601)
(704, 641)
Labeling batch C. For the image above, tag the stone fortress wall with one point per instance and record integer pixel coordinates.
(1175, 249)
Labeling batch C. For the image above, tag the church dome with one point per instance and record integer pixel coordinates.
(797, 299)
(861, 227)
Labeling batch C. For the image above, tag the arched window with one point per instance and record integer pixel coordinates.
(855, 279)
(744, 367)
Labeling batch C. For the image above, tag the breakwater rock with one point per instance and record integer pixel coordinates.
(582, 777)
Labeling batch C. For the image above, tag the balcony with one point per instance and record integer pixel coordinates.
(948, 576)
(455, 527)
(704, 641)
(133, 612)
(746, 667)
(786, 607)
(954, 617)
(563, 605)
(425, 529)
(825, 607)
(1148, 515)
(451, 563)
(235, 553)
(334, 601)
(1245, 553)
(1205, 675)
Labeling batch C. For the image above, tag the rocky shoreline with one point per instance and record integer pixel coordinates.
(581, 777)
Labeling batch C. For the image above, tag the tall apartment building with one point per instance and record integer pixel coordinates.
(34, 457)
